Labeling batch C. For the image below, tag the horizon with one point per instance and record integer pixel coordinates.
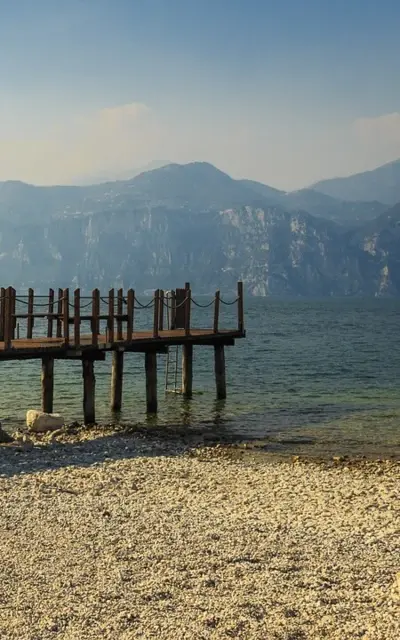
(136, 173)
(284, 95)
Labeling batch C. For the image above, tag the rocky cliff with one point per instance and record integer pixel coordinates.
(192, 223)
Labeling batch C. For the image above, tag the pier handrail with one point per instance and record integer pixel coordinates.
(119, 311)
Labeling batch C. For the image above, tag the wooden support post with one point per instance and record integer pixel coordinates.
(77, 317)
(110, 323)
(2, 309)
(187, 370)
(172, 310)
(7, 318)
(188, 305)
(59, 314)
(95, 316)
(130, 310)
(161, 311)
(156, 317)
(89, 385)
(120, 311)
(216, 311)
(29, 330)
(50, 316)
(219, 363)
(151, 381)
(13, 311)
(117, 376)
(65, 314)
(47, 384)
(240, 307)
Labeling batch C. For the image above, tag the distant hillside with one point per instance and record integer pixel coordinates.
(195, 223)
(381, 184)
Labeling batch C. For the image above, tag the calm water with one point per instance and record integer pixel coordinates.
(310, 376)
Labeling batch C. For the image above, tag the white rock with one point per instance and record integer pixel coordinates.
(40, 422)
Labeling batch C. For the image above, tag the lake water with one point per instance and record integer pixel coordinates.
(310, 377)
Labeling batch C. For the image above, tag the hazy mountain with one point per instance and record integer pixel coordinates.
(193, 222)
(381, 184)
(126, 174)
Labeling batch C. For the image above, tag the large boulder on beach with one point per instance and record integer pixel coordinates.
(40, 422)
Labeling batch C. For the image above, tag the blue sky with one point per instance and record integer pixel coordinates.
(284, 92)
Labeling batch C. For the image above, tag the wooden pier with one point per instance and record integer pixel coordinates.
(85, 328)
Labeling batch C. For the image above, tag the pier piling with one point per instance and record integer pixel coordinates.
(187, 370)
(219, 367)
(117, 376)
(151, 381)
(47, 384)
(89, 385)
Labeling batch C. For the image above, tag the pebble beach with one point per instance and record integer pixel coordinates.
(122, 536)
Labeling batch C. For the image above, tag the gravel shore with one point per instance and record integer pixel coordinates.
(123, 537)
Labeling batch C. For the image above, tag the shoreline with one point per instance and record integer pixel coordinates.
(112, 535)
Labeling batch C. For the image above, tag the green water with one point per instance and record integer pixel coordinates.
(319, 376)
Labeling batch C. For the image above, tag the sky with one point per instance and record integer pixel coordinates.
(286, 92)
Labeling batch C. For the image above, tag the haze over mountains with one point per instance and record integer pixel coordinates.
(193, 222)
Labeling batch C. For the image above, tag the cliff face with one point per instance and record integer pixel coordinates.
(111, 236)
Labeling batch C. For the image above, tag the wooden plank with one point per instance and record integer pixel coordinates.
(216, 310)
(29, 330)
(188, 305)
(89, 388)
(2, 308)
(120, 311)
(47, 384)
(110, 324)
(156, 315)
(50, 316)
(219, 368)
(95, 316)
(161, 311)
(65, 315)
(77, 317)
(151, 381)
(187, 370)
(59, 312)
(240, 307)
(117, 376)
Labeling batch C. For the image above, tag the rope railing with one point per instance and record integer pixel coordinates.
(119, 310)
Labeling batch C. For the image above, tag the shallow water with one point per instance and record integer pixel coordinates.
(311, 375)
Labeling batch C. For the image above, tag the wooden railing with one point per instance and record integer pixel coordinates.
(65, 313)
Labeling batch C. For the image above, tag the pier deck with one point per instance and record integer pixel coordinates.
(87, 327)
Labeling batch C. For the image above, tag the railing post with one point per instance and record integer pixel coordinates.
(95, 316)
(51, 312)
(240, 307)
(7, 318)
(130, 307)
(156, 317)
(120, 311)
(2, 309)
(65, 313)
(77, 317)
(161, 311)
(13, 312)
(216, 311)
(59, 314)
(188, 299)
(29, 330)
(110, 324)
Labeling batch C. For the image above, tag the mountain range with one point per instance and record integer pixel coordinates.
(193, 222)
